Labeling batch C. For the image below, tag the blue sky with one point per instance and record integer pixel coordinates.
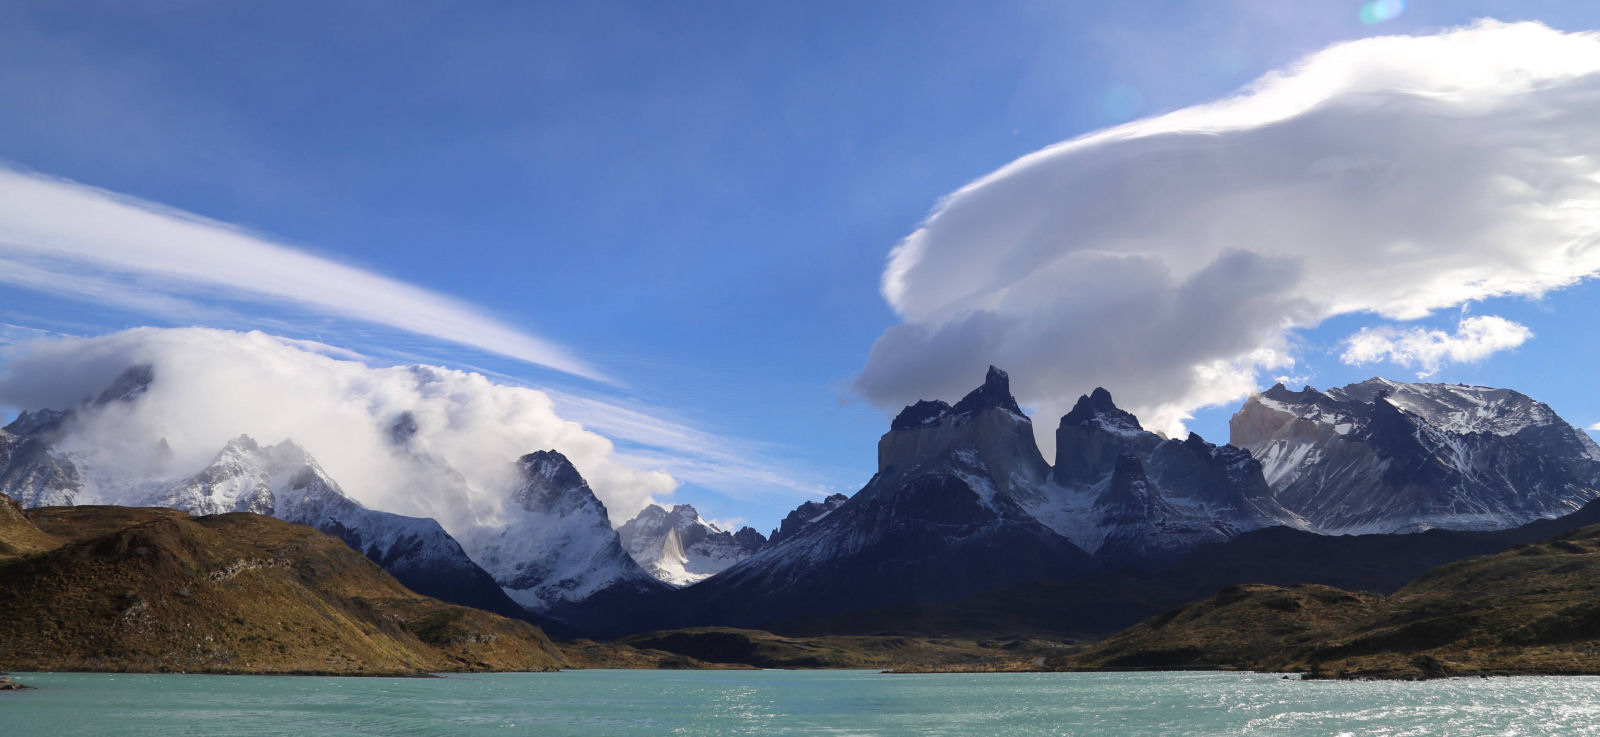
(696, 199)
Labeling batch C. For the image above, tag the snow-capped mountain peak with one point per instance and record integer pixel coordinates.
(1387, 456)
(240, 478)
(1456, 408)
(678, 547)
(556, 547)
(551, 484)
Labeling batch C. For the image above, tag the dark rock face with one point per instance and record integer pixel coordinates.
(749, 540)
(1385, 456)
(994, 394)
(42, 424)
(1136, 499)
(940, 520)
(922, 413)
(551, 483)
(928, 538)
(1092, 436)
(403, 429)
(1097, 410)
(129, 385)
(805, 514)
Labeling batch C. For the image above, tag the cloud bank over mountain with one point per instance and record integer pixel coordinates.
(416, 440)
(1172, 259)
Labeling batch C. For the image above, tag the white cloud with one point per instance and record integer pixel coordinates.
(1475, 338)
(1172, 259)
(1595, 427)
(212, 385)
(72, 239)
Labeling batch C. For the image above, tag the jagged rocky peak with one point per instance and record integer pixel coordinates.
(551, 482)
(402, 429)
(1281, 393)
(129, 385)
(555, 551)
(805, 515)
(749, 538)
(678, 547)
(1096, 410)
(39, 423)
(1092, 435)
(995, 393)
(1133, 497)
(1458, 408)
(986, 428)
(1217, 475)
(241, 478)
(924, 412)
(655, 520)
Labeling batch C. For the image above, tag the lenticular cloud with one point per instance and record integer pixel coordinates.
(1170, 259)
(461, 432)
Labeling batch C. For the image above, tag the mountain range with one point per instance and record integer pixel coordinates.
(963, 501)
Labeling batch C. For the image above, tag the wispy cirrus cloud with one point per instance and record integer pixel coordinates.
(76, 240)
(737, 468)
(82, 243)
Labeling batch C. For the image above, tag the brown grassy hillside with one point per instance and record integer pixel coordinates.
(18, 535)
(1534, 609)
(122, 589)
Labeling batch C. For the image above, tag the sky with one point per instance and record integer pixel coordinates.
(733, 238)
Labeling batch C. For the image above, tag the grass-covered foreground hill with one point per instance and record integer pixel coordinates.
(129, 589)
(1534, 609)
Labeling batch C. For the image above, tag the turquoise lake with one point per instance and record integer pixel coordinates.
(618, 703)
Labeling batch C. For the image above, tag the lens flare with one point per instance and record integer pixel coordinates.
(1379, 11)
